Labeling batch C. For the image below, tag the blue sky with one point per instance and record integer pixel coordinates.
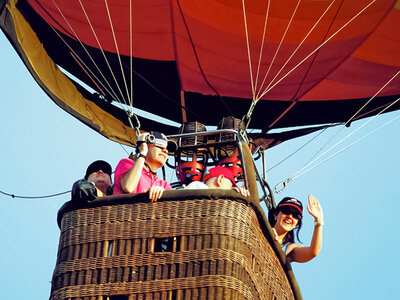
(44, 150)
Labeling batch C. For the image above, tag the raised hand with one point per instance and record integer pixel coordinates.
(315, 209)
(141, 144)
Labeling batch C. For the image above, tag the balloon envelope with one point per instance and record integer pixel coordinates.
(302, 63)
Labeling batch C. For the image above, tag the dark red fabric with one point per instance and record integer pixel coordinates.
(369, 45)
(199, 46)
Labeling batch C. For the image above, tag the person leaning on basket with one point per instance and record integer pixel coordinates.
(96, 183)
(218, 178)
(139, 175)
(287, 217)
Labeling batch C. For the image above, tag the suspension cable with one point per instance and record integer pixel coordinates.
(258, 96)
(351, 133)
(248, 49)
(353, 117)
(373, 97)
(34, 197)
(129, 113)
(77, 57)
(262, 43)
(102, 51)
(298, 46)
(316, 49)
(278, 48)
(306, 168)
(111, 91)
(298, 149)
(101, 82)
(131, 50)
(118, 55)
(355, 142)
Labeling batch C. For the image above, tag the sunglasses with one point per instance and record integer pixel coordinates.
(97, 169)
(291, 211)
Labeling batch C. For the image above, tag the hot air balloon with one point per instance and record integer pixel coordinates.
(269, 64)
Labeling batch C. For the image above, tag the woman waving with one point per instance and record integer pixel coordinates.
(287, 218)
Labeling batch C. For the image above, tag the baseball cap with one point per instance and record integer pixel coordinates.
(98, 165)
(216, 171)
(291, 202)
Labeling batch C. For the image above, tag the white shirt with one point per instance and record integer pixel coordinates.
(196, 185)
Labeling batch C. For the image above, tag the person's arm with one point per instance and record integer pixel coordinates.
(130, 180)
(299, 253)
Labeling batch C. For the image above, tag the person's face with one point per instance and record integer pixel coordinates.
(157, 155)
(285, 222)
(100, 178)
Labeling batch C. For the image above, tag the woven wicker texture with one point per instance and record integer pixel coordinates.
(191, 249)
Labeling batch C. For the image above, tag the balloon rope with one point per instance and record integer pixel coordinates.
(316, 49)
(122, 146)
(369, 112)
(278, 48)
(373, 97)
(304, 169)
(102, 51)
(75, 56)
(353, 117)
(131, 51)
(295, 51)
(258, 97)
(110, 90)
(248, 50)
(112, 93)
(118, 54)
(77, 60)
(360, 139)
(34, 197)
(262, 44)
(296, 174)
(298, 149)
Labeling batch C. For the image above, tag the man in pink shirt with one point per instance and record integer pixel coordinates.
(139, 176)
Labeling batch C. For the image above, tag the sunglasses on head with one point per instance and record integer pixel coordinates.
(291, 211)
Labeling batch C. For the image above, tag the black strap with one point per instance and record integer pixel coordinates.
(150, 170)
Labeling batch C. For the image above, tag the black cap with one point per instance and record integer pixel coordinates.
(292, 202)
(98, 165)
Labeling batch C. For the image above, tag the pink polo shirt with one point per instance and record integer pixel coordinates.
(146, 181)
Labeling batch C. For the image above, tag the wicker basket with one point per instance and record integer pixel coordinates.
(199, 247)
